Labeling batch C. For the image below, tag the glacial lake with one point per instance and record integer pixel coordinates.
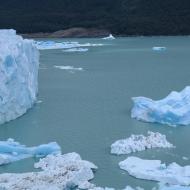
(86, 111)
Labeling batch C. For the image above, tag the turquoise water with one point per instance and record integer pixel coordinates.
(87, 111)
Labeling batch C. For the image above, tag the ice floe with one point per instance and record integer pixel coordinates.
(11, 151)
(69, 68)
(154, 170)
(58, 172)
(76, 50)
(19, 62)
(172, 110)
(159, 48)
(110, 37)
(47, 45)
(173, 187)
(137, 143)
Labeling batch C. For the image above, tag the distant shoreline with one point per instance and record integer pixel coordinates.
(70, 33)
(84, 33)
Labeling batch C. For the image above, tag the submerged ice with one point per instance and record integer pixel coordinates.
(154, 170)
(11, 151)
(137, 143)
(19, 61)
(172, 110)
(58, 172)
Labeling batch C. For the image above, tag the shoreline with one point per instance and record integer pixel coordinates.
(86, 33)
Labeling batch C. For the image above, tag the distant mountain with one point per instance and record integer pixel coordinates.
(123, 17)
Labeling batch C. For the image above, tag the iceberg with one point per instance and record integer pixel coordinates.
(172, 110)
(19, 62)
(48, 45)
(110, 37)
(173, 174)
(11, 151)
(136, 143)
(58, 172)
(69, 68)
(159, 48)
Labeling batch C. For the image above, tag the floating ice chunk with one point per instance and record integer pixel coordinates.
(172, 110)
(47, 45)
(86, 185)
(137, 143)
(58, 172)
(185, 158)
(154, 170)
(11, 151)
(110, 37)
(108, 188)
(39, 102)
(19, 62)
(174, 187)
(76, 50)
(70, 68)
(159, 48)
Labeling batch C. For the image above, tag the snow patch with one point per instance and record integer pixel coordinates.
(110, 37)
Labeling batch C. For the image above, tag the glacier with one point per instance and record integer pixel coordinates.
(19, 62)
(58, 172)
(173, 110)
(136, 143)
(11, 151)
(173, 174)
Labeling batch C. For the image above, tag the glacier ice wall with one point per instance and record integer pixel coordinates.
(19, 62)
(172, 110)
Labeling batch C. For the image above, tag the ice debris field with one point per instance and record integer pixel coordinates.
(68, 46)
(172, 110)
(11, 151)
(58, 172)
(136, 143)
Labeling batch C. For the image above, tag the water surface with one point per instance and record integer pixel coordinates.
(86, 111)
